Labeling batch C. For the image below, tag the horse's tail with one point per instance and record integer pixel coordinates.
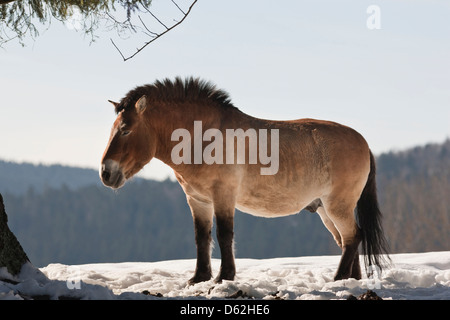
(374, 244)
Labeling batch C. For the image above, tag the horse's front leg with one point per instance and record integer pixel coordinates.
(202, 213)
(224, 224)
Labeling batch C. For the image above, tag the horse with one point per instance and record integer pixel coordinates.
(323, 167)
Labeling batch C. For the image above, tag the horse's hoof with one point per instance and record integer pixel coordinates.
(219, 278)
(338, 277)
(198, 278)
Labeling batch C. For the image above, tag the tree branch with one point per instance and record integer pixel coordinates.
(178, 7)
(155, 35)
(156, 18)
(151, 33)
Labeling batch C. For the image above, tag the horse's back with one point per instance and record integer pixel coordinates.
(314, 156)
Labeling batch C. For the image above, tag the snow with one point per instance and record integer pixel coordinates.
(411, 276)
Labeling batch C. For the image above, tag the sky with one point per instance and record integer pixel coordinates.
(278, 60)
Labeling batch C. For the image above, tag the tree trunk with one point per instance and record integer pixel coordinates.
(6, 1)
(12, 255)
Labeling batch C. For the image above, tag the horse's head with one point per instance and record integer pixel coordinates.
(131, 144)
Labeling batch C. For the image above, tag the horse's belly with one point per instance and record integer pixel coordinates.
(267, 210)
(269, 199)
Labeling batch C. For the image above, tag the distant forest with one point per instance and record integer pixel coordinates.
(63, 214)
(414, 192)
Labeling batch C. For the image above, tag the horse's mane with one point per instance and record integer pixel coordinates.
(189, 89)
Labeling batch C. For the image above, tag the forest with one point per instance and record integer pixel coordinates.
(64, 214)
(414, 190)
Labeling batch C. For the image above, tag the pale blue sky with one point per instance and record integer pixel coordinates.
(279, 60)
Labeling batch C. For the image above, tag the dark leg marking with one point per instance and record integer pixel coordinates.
(225, 238)
(349, 264)
(203, 242)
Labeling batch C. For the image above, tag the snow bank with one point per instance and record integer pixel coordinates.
(411, 276)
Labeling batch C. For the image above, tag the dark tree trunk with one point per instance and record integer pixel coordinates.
(12, 255)
(6, 1)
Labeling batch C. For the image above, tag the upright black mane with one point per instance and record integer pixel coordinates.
(189, 89)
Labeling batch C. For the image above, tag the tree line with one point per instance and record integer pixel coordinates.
(414, 193)
(144, 221)
(150, 220)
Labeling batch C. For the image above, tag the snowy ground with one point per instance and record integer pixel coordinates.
(412, 276)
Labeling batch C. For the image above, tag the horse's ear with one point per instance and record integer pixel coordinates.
(141, 104)
(114, 103)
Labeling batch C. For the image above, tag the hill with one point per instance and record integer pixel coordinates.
(18, 178)
(65, 215)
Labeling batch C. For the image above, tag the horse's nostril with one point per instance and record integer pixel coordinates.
(111, 174)
(105, 175)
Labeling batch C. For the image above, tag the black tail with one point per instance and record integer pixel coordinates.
(374, 244)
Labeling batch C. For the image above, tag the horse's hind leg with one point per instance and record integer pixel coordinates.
(202, 213)
(356, 268)
(329, 225)
(349, 264)
(342, 218)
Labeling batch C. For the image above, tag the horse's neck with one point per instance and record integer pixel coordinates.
(183, 117)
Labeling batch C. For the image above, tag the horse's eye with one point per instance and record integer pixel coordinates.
(125, 133)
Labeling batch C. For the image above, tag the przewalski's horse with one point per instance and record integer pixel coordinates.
(318, 165)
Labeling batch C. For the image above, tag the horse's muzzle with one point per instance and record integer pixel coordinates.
(111, 174)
